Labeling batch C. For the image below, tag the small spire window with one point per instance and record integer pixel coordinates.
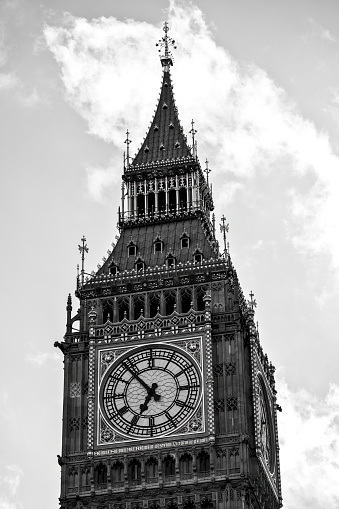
(177, 144)
(164, 106)
(185, 240)
(158, 244)
(139, 265)
(146, 149)
(156, 128)
(197, 256)
(113, 269)
(171, 126)
(131, 248)
(162, 147)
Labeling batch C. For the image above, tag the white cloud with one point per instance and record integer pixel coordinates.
(7, 81)
(9, 484)
(309, 454)
(42, 358)
(324, 33)
(246, 123)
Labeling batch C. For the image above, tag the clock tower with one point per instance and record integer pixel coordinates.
(169, 399)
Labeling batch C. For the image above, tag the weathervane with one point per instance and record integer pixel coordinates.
(165, 42)
(83, 249)
(224, 228)
(207, 170)
(127, 141)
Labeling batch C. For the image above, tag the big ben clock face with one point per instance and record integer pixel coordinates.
(151, 391)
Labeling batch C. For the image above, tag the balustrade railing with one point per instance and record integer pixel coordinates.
(170, 478)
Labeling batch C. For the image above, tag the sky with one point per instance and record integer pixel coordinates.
(261, 81)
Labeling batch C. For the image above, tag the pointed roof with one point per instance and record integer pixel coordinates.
(165, 138)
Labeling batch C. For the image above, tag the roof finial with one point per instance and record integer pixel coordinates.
(127, 141)
(224, 228)
(193, 132)
(165, 42)
(83, 249)
(207, 170)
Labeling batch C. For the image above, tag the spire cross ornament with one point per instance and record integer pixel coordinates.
(127, 141)
(193, 132)
(207, 170)
(165, 42)
(224, 229)
(252, 303)
(83, 249)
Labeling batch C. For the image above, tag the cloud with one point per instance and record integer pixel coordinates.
(246, 126)
(9, 483)
(7, 81)
(324, 33)
(309, 453)
(42, 358)
(31, 99)
(99, 178)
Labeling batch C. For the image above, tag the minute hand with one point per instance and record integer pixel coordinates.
(144, 384)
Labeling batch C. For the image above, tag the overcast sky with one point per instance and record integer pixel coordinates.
(261, 80)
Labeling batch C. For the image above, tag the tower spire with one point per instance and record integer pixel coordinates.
(165, 43)
(224, 229)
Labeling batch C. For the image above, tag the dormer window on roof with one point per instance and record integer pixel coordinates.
(113, 269)
(185, 241)
(156, 128)
(197, 256)
(170, 260)
(171, 126)
(131, 248)
(139, 264)
(164, 106)
(146, 149)
(177, 144)
(158, 245)
(162, 147)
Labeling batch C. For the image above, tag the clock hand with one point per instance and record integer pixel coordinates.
(144, 384)
(151, 394)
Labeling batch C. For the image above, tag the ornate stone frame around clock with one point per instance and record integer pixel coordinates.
(198, 424)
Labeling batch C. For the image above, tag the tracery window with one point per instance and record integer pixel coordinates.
(186, 300)
(151, 470)
(186, 464)
(169, 466)
(118, 473)
(123, 306)
(170, 301)
(138, 305)
(135, 471)
(203, 463)
(107, 311)
(100, 476)
(154, 304)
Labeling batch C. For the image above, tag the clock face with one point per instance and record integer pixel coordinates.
(265, 430)
(151, 391)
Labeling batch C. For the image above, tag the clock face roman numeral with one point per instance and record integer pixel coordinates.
(123, 410)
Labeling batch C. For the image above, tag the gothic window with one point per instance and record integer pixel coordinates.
(154, 304)
(113, 269)
(151, 203)
(200, 298)
(158, 245)
(183, 198)
(172, 200)
(151, 470)
(203, 461)
(232, 403)
(219, 405)
(100, 476)
(218, 370)
(139, 265)
(206, 503)
(118, 472)
(185, 240)
(134, 468)
(170, 301)
(170, 261)
(186, 300)
(186, 464)
(138, 305)
(234, 460)
(161, 200)
(197, 257)
(123, 306)
(85, 478)
(107, 311)
(189, 505)
(132, 249)
(169, 466)
(140, 204)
